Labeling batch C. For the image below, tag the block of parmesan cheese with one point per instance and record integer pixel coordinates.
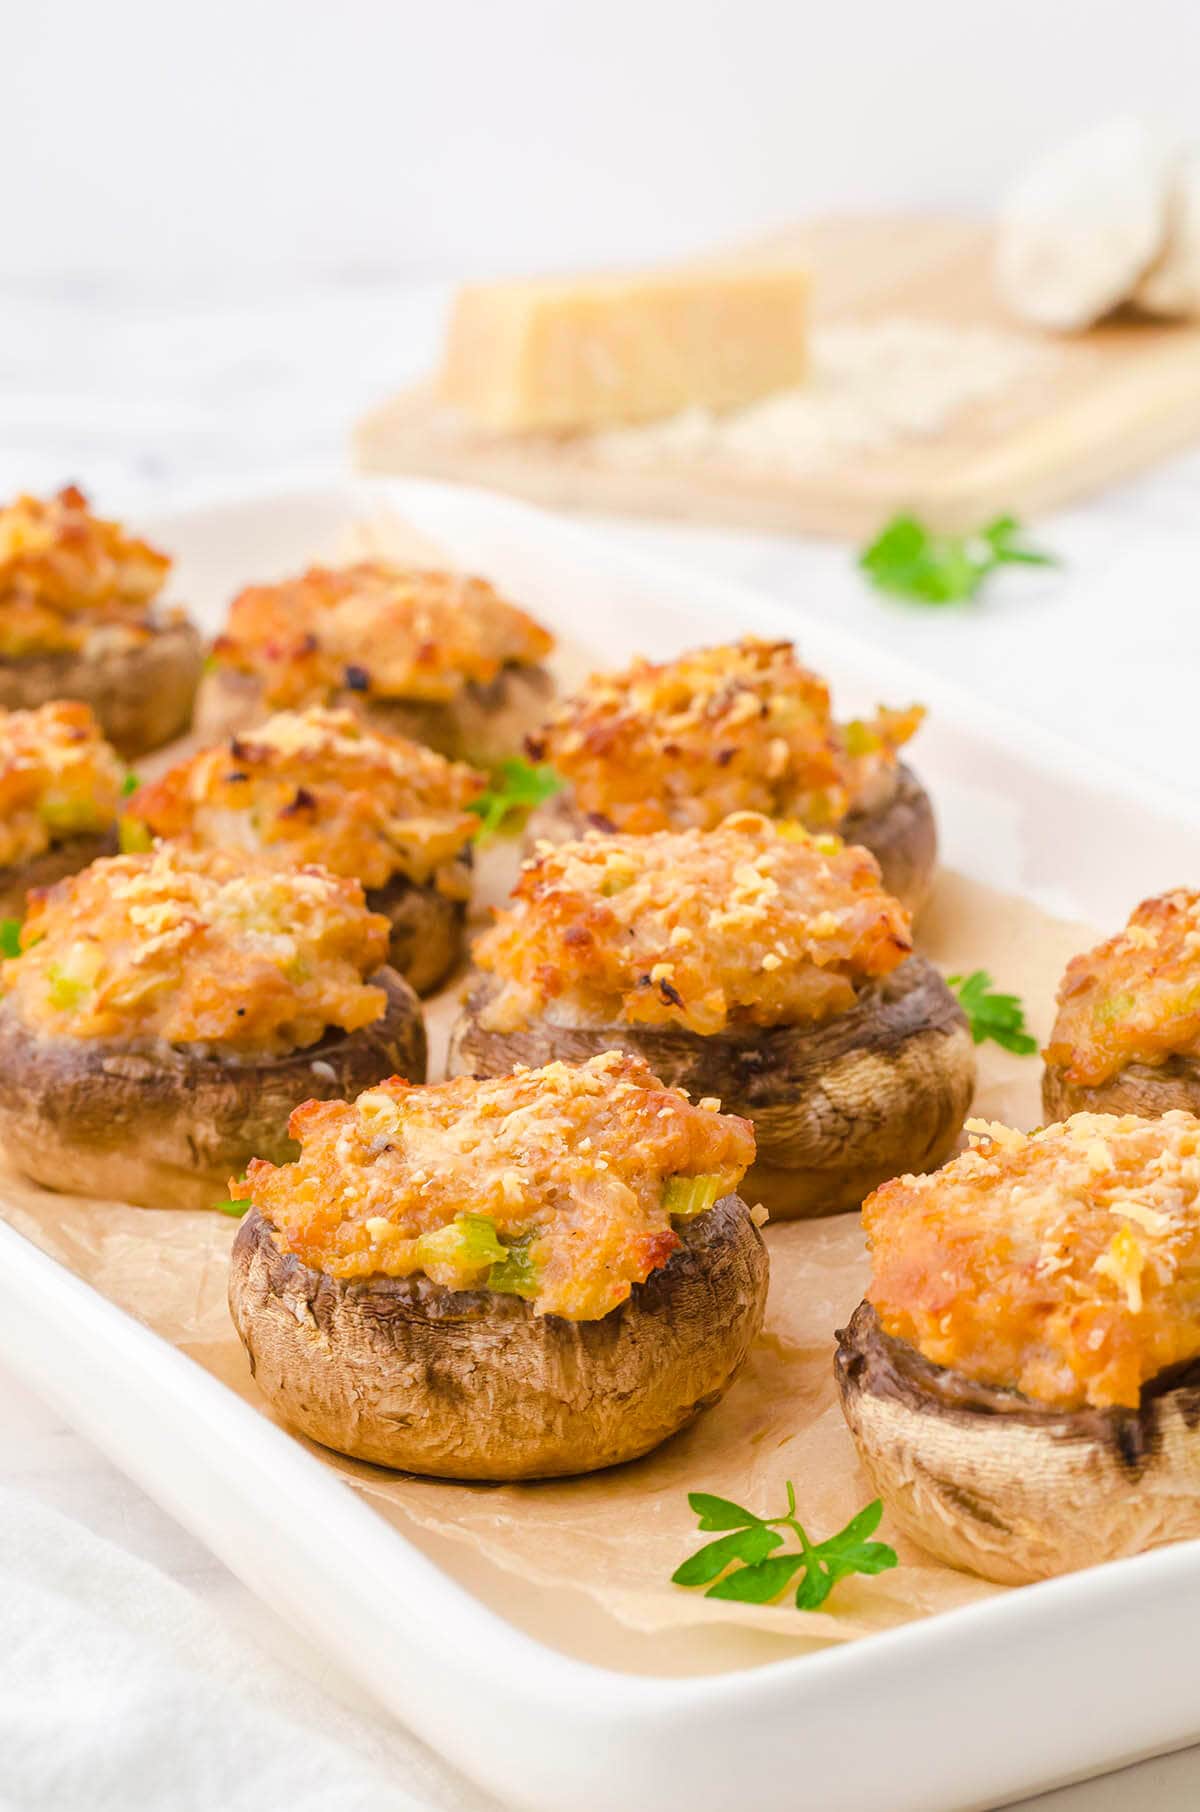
(587, 352)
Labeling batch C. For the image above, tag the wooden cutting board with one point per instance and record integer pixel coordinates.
(1095, 408)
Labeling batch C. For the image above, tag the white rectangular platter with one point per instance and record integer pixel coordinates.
(968, 1709)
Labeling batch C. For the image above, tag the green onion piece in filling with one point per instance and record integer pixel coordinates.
(468, 1241)
(134, 837)
(518, 1274)
(65, 991)
(10, 937)
(684, 1197)
(130, 784)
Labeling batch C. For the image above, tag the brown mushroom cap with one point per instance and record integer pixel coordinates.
(142, 695)
(427, 929)
(901, 834)
(1148, 1089)
(838, 1108)
(474, 1385)
(167, 1129)
(993, 1482)
(483, 724)
(64, 858)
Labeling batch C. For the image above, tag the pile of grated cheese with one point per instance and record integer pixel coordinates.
(870, 386)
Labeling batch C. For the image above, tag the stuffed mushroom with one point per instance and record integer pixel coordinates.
(526, 1277)
(168, 1010)
(323, 786)
(755, 963)
(1127, 1036)
(681, 744)
(80, 619)
(60, 789)
(436, 656)
(1023, 1380)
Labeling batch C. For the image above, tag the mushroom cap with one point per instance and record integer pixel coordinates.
(1148, 1089)
(838, 1108)
(993, 1482)
(473, 1385)
(164, 1128)
(427, 929)
(142, 695)
(483, 724)
(901, 834)
(63, 858)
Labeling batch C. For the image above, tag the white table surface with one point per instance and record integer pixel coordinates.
(138, 400)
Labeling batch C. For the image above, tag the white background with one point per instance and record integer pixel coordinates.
(172, 145)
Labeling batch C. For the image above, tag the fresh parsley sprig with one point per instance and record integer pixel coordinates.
(762, 1574)
(517, 787)
(1000, 1017)
(910, 561)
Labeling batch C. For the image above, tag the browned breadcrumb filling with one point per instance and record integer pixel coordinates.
(1064, 1264)
(323, 786)
(754, 922)
(566, 1167)
(1134, 999)
(58, 779)
(375, 629)
(681, 744)
(206, 948)
(70, 580)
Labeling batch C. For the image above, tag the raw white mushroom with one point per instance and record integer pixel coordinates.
(1172, 284)
(1081, 228)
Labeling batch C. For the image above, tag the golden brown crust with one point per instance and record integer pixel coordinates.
(166, 1129)
(64, 571)
(321, 786)
(995, 1483)
(483, 725)
(142, 694)
(200, 947)
(59, 780)
(1134, 999)
(754, 922)
(836, 1108)
(900, 833)
(564, 1178)
(1061, 1263)
(470, 1385)
(385, 632)
(743, 727)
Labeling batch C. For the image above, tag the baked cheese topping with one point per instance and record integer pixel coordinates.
(1134, 999)
(561, 1185)
(681, 744)
(322, 786)
(755, 922)
(376, 629)
(58, 779)
(228, 952)
(66, 576)
(1064, 1264)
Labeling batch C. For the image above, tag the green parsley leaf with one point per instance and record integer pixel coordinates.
(517, 787)
(764, 1575)
(907, 560)
(751, 1545)
(10, 937)
(1000, 1017)
(720, 1512)
(238, 1206)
